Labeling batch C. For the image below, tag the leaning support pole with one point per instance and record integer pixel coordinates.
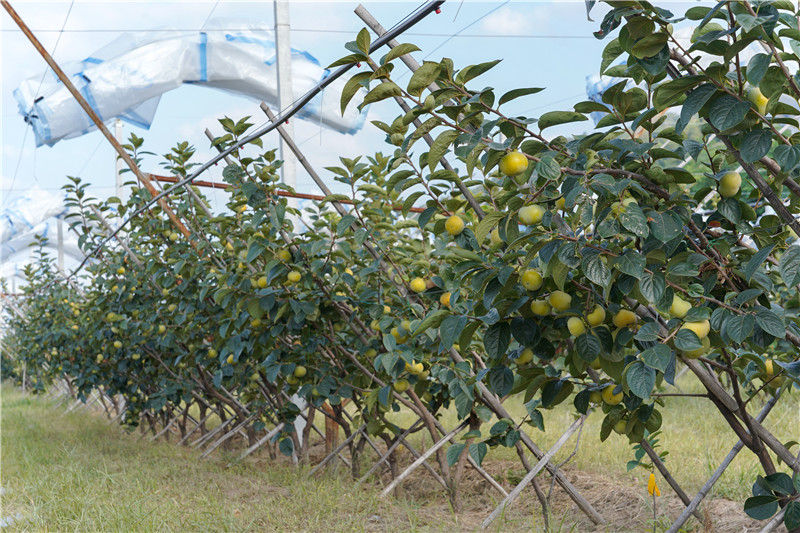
(335, 452)
(228, 435)
(659, 464)
(535, 470)
(695, 503)
(389, 452)
(424, 457)
(260, 443)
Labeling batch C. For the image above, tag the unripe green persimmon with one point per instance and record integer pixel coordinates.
(596, 317)
(525, 356)
(531, 214)
(700, 328)
(559, 300)
(679, 307)
(624, 318)
(454, 225)
(418, 285)
(576, 326)
(758, 99)
(531, 280)
(400, 385)
(513, 163)
(610, 398)
(540, 307)
(729, 184)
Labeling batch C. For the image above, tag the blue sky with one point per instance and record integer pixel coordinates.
(532, 38)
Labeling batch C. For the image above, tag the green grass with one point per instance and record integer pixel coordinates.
(75, 472)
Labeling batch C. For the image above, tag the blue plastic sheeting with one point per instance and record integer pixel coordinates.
(127, 78)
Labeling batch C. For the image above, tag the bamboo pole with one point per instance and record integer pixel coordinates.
(544, 461)
(424, 457)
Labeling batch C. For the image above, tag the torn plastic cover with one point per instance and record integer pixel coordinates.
(127, 77)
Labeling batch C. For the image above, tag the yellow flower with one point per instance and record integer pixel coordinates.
(652, 487)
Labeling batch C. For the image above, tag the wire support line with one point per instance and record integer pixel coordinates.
(322, 30)
(209, 15)
(282, 117)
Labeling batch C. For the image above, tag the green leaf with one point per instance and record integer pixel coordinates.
(648, 332)
(730, 209)
(423, 77)
(693, 103)
(440, 146)
(590, 107)
(663, 226)
(595, 269)
(588, 347)
(431, 321)
(687, 340)
(652, 286)
(791, 516)
(516, 93)
(788, 157)
(400, 50)
(633, 219)
(631, 263)
(739, 327)
(649, 45)
(755, 145)
(770, 323)
(554, 118)
(254, 250)
(756, 261)
(756, 68)
(383, 91)
(351, 88)
(548, 168)
(727, 111)
(454, 452)
(501, 380)
(478, 450)
(450, 330)
(790, 266)
(657, 357)
(363, 40)
(473, 71)
(496, 339)
(487, 224)
(668, 93)
(640, 379)
(347, 60)
(761, 507)
(344, 224)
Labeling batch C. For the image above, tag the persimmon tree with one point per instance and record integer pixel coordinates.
(586, 269)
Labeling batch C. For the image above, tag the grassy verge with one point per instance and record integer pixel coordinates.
(76, 472)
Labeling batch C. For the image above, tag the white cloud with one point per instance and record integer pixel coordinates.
(514, 21)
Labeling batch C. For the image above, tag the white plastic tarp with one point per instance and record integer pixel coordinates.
(127, 78)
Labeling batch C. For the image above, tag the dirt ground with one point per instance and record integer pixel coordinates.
(625, 507)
